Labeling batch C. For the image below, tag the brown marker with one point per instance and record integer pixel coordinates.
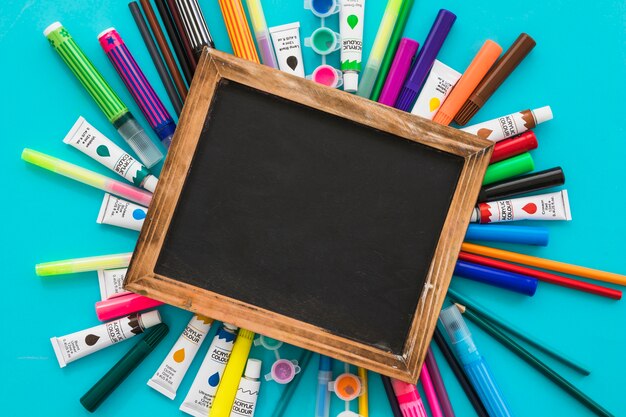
(496, 76)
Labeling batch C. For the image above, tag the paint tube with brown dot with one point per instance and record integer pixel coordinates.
(510, 125)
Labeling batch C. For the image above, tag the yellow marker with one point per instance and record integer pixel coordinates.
(225, 396)
(92, 263)
(363, 407)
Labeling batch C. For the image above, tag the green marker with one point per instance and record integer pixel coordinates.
(508, 168)
(398, 29)
(92, 263)
(378, 49)
(101, 92)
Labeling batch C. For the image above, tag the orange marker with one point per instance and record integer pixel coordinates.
(238, 30)
(482, 62)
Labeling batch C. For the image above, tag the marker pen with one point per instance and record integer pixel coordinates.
(518, 165)
(351, 18)
(101, 92)
(514, 146)
(524, 235)
(262, 35)
(511, 124)
(195, 26)
(474, 364)
(324, 376)
(474, 73)
(409, 399)
(553, 206)
(511, 281)
(91, 263)
(399, 69)
(123, 305)
(136, 82)
(523, 184)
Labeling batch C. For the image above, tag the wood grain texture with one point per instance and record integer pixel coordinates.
(214, 66)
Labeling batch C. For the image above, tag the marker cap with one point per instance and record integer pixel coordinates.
(553, 177)
(542, 114)
(253, 369)
(511, 281)
(518, 165)
(519, 144)
(351, 81)
(149, 319)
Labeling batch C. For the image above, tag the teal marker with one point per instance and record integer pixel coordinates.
(113, 108)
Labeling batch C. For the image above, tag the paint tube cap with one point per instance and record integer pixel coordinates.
(151, 318)
(230, 327)
(542, 114)
(150, 183)
(253, 369)
(351, 82)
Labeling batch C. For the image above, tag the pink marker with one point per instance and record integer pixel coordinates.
(429, 390)
(123, 305)
(398, 72)
(409, 399)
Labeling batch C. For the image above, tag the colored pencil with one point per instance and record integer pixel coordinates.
(457, 369)
(238, 30)
(195, 25)
(156, 57)
(556, 266)
(363, 399)
(439, 386)
(391, 397)
(536, 363)
(543, 276)
(542, 346)
(390, 53)
(165, 50)
(429, 390)
(168, 23)
(281, 406)
(184, 39)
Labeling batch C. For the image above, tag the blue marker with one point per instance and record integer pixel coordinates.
(497, 277)
(525, 235)
(324, 376)
(474, 364)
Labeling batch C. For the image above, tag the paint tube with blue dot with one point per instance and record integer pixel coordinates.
(121, 213)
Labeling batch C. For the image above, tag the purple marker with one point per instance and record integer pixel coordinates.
(141, 90)
(437, 35)
(399, 69)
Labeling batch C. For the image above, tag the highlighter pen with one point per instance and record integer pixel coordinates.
(511, 281)
(88, 177)
(398, 30)
(123, 306)
(474, 364)
(496, 76)
(514, 146)
(118, 373)
(409, 399)
(261, 33)
(424, 61)
(399, 69)
(535, 181)
(113, 108)
(518, 165)
(324, 376)
(523, 235)
(136, 82)
(484, 59)
(226, 391)
(378, 48)
(91, 263)
(195, 26)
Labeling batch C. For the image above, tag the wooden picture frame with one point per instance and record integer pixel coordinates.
(215, 66)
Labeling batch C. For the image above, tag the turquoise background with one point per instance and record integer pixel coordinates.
(577, 68)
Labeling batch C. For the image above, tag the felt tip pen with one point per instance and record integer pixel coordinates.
(511, 281)
(379, 47)
(409, 400)
(535, 181)
(91, 263)
(195, 25)
(518, 165)
(261, 33)
(324, 376)
(113, 108)
(474, 364)
(425, 58)
(118, 373)
(399, 69)
(514, 146)
(136, 82)
(524, 235)
(124, 305)
(88, 177)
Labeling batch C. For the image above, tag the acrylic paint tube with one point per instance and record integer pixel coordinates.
(170, 374)
(248, 390)
(438, 85)
(511, 124)
(286, 40)
(76, 345)
(351, 17)
(553, 206)
(91, 142)
(121, 213)
(111, 283)
(200, 397)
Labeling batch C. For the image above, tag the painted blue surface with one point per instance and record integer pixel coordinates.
(577, 68)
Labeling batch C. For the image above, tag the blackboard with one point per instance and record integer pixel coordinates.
(312, 216)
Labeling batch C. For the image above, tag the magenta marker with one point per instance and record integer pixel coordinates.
(399, 69)
(139, 87)
(409, 400)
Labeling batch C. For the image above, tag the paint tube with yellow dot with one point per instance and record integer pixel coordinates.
(438, 85)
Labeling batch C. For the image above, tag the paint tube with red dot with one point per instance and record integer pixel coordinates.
(553, 206)
(170, 374)
(85, 342)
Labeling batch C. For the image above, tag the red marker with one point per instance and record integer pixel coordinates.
(517, 145)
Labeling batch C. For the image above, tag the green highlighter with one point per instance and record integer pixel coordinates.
(508, 168)
(107, 384)
(113, 108)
